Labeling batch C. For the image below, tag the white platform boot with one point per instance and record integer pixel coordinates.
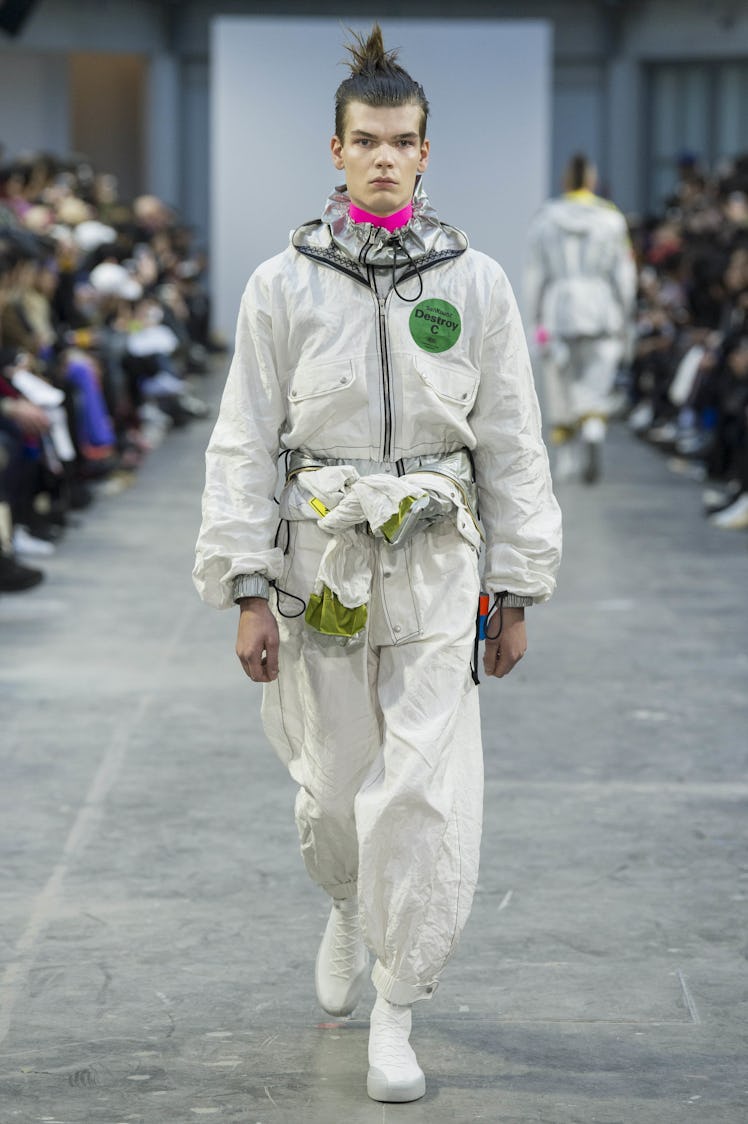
(593, 434)
(394, 1073)
(342, 964)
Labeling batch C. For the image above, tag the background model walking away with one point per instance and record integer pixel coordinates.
(580, 287)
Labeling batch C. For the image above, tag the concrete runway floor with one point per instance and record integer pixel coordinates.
(158, 931)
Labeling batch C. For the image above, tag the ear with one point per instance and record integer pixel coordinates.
(336, 147)
(423, 163)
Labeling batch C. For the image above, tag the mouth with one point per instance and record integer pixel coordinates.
(384, 183)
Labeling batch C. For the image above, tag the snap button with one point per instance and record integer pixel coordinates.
(343, 381)
(396, 628)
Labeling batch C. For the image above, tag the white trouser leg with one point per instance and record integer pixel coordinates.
(419, 837)
(403, 710)
(557, 386)
(419, 811)
(594, 364)
(321, 717)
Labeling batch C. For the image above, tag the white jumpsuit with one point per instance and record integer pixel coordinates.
(382, 733)
(580, 286)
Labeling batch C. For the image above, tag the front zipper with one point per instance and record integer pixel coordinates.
(384, 355)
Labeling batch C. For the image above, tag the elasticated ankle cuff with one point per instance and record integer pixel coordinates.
(398, 992)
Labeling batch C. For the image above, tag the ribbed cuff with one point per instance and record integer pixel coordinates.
(515, 600)
(251, 585)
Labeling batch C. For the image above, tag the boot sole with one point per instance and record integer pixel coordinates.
(393, 1092)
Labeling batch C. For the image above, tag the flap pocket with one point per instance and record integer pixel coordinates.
(451, 382)
(315, 379)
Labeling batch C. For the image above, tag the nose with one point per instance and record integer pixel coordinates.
(385, 156)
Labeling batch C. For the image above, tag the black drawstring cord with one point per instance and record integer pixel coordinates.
(498, 601)
(284, 523)
(476, 650)
(396, 241)
(293, 596)
(363, 254)
(276, 541)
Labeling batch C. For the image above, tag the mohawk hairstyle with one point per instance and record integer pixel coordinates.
(376, 79)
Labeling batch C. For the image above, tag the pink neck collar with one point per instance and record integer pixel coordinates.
(389, 222)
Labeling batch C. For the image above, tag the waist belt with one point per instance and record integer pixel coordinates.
(456, 466)
(355, 506)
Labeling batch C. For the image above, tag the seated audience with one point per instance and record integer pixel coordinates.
(104, 327)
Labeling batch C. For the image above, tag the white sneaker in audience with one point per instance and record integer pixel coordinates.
(641, 417)
(734, 517)
(26, 543)
(682, 466)
(720, 495)
(663, 434)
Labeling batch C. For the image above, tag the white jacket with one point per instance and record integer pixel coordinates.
(580, 277)
(331, 360)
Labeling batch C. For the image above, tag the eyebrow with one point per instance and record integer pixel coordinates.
(372, 136)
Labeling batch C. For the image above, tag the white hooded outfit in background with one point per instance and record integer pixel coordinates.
(580, 287)
(381, 733)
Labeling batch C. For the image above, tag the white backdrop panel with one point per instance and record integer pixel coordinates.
(273, 86)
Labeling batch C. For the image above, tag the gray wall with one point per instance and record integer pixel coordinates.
(272, 126)
(601, 51)
(34, 101)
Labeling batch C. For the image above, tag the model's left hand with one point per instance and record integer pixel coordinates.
(502, 654)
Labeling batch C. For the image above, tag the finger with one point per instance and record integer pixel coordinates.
(508, 661)
(252, 663)
(245, 666)
(257, 669)
(490, 657)
(270, 660)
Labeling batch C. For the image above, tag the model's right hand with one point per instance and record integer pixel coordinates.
(257, 640)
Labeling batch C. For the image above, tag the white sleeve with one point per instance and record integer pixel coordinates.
(624, 273)
(519, 512)
(239, 512)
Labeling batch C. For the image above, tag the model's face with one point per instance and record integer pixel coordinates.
(381, 154)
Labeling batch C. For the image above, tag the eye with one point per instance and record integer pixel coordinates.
(407, 143)
(363, 141)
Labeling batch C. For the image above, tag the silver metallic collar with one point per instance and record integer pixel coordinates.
(423, 235)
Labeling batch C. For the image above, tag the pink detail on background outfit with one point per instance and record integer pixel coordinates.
(389, 222)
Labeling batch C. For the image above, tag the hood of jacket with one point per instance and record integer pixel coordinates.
(423, 239)
(577, 213)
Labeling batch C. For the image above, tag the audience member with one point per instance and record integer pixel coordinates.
(104, 324)
(689, 376)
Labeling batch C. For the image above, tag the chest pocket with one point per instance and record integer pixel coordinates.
(328, 405)
(317, 379)
(455, 385)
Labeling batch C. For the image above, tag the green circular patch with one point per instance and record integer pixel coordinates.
(435, 325)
